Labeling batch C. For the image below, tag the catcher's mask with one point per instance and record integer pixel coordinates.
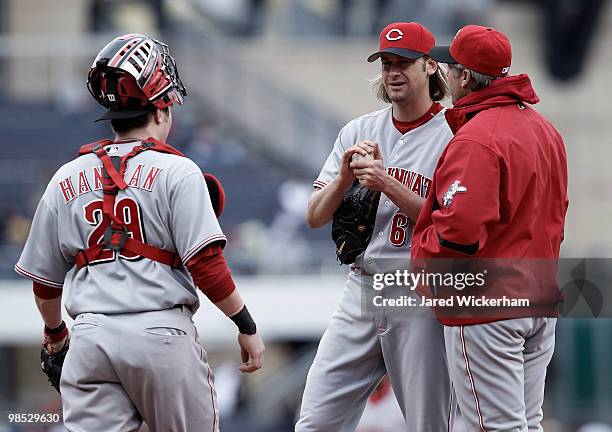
(134, 74)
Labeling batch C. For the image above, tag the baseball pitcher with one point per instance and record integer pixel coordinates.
(403, 142)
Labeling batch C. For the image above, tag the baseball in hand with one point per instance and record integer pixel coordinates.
(356, 157)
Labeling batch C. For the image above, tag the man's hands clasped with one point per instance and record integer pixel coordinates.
(368, 166)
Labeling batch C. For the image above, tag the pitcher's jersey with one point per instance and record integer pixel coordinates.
(166, 205)
(411, 158)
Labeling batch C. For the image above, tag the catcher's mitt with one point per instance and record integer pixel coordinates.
(353, 222)
(51, 365)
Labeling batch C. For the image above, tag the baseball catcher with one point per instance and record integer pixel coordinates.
(132, 223)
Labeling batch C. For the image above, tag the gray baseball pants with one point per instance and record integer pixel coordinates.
(498, 371)
(125, 368)
(355, 352)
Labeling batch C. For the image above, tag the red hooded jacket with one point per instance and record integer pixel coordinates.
(500, 191)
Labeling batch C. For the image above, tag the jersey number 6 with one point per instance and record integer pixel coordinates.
(401, 230)
(128, 211)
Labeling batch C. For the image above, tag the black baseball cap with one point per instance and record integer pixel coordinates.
(125, 114)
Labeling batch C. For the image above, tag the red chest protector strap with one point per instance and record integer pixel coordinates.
(116, 235)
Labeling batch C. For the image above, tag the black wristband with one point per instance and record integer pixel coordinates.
(57, 330)
(244, 321)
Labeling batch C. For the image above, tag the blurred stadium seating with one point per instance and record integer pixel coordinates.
(270, 83)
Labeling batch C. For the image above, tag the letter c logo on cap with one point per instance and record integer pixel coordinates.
(394, 38)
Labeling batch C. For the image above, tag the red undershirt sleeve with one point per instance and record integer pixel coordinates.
(45, 292)
(211, 274)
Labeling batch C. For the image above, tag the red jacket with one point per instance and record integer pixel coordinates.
(508, 166)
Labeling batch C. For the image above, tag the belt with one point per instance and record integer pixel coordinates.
(185, 310)
(360, 271)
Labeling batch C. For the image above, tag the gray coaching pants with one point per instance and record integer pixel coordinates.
(355, 352)
(498, 371)
(123, 369)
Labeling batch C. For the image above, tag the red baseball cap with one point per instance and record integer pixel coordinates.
(481, 49)
(406, 39)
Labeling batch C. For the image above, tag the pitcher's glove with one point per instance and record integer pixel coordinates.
(53, 352)
(353, 222)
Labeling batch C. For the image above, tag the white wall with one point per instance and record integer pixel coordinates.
(285, 307)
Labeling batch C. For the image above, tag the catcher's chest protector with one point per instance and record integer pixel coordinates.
(116, 235)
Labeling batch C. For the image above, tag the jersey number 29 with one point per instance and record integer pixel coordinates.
(128, 211)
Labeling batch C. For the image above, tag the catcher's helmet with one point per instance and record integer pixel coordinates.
(134, 74)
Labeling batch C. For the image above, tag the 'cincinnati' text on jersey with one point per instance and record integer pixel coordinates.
(416, 182)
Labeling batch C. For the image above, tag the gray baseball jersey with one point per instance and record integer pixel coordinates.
(117, 356)
(167, 205)
(359, 347)
(411, 158)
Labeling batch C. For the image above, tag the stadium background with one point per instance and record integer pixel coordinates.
(270, 83)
